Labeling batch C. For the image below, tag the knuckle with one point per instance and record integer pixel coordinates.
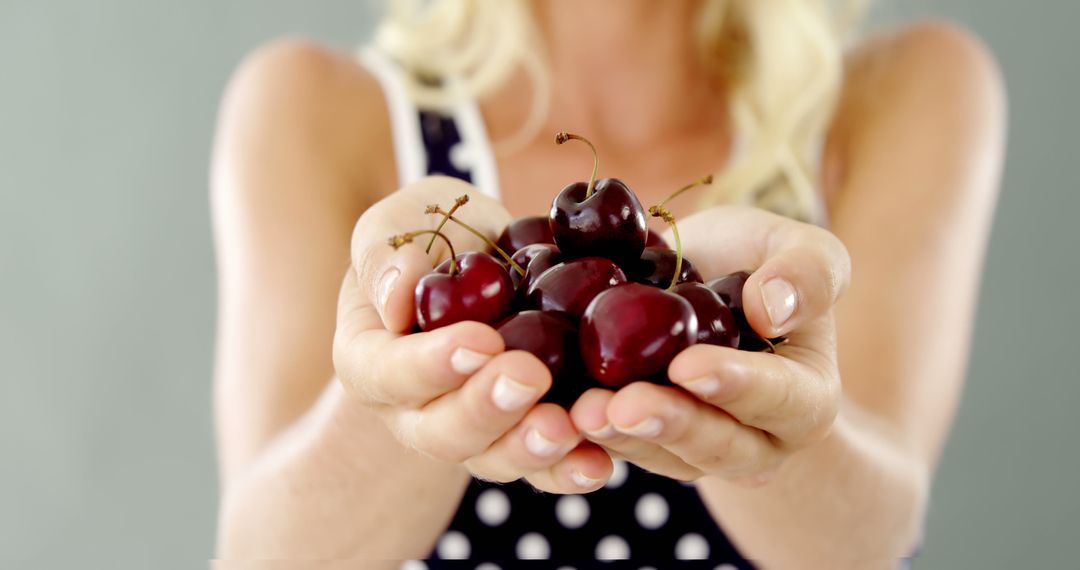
(365, 262)
(685, 473)
(492, 471)
(715, 453)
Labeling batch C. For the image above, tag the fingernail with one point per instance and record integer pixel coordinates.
(606, 432)
(465, 361)
(779, 297)
(584, 481)
(704, 387)
(649, 427)
(539, 445)
(386, 287)
(510, 396)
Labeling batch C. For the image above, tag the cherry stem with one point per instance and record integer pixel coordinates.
(771, 346)
(402, 239)
(701, 181)
(459, 202)
(659, 211)
(665, 214)
(560, 138)
(435, 209)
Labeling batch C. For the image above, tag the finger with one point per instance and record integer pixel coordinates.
(584, 470)
(797, 284)
(792, 395)
(386, 278)
(464, 423)
(800, 270)
(700, 435)
(540, 440)
(591, 413)
(412, 370)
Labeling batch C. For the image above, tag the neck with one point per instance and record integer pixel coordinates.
(626, 71)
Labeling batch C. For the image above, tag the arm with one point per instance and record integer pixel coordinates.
(922, 156)
(288, 185)
(341, 436)
(920, 135)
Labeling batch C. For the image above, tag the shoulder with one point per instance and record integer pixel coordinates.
(929, 84)
(932, 66)
(928, 56)
(296, 100)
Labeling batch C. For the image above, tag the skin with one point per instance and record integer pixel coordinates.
(366, 454)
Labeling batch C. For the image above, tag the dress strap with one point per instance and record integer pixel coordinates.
(453, 143)
(404, 116)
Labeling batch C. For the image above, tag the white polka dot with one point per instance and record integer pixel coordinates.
(618, 474)
(461, 157)
(488, 566)
(413, 565)
(692, 546)
(726, 567)
(651, 511)
(454, 546)
(532, 546)
(572, 511)
(612, 547)
(493, 507)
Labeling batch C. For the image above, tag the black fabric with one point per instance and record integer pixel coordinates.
(623, 518)
(440, 136)
(615, 515)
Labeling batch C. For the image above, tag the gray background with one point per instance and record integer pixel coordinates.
(107, 305)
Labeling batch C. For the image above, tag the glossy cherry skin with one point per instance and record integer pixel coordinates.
(570, 286)
(525, 231)
(552, 338)
(656, 266)
(610, 223)
(654, 240)
(481, 291)
(535, 259)
(716, 323)
(631, 332)
(730, 290)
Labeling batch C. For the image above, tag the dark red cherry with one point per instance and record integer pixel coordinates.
(570, 286)
(656, 267)
(730, 290)
(481, 290)
(610, 223)
(525, 231)
(654, 240)
(552, 338)
(631, 332)
(543, 256)
(716, 324)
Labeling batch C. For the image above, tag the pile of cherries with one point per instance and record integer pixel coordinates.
(588, 289)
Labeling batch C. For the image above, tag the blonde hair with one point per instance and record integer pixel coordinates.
(781, 59)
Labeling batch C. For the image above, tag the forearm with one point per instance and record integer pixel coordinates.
(337, 485)
(855, 500)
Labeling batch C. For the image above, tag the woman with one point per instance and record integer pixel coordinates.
(809, 458)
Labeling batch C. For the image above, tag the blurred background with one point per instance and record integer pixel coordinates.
(107, 304)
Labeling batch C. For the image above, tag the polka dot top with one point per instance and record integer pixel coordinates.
(638, 516)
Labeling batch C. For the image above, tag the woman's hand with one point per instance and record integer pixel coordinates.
(452, 393)
(738, 415)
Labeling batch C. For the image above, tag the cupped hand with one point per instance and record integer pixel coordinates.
(734, 414)
(452, 393)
